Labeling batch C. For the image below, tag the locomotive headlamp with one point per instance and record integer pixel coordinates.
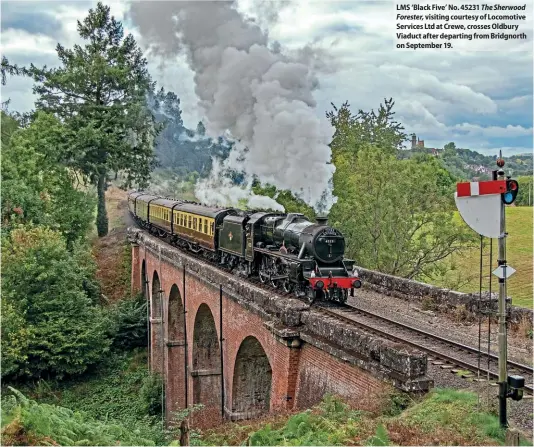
(319, 284)
(357, 284)
(355, 272)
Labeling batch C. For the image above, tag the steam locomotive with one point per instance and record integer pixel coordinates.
(286, 251)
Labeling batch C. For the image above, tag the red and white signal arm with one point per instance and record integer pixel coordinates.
(479, 204)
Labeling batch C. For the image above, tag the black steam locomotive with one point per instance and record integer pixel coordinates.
(286, 251)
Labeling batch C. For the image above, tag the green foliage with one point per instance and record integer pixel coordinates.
(109, 393)
(10, 69)
(332, 424)
(365, 128)
(467, 165)
(176, 426)
(285, 198)
(180, 149)
(398, 402)
(55, 425)
(99, 92)
(456, 410)
(178, 184)
(130, 323)
(525, 195)
(152, 394)
(380, 437)
(36, 186)
(50, 319)
(395, 213)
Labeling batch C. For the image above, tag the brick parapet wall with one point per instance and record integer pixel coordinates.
(444, 299)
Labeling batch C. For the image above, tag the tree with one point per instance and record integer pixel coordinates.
(201, 129)
(10, 69)
(525, 196)
(285, 198)
(53, 328)
(449, 150)
(396, 215)
(99, 94)
(36, 186)
(380, 130)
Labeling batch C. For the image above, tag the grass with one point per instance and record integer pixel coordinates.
(464, 267)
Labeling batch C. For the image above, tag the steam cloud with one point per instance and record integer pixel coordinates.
(263, 97)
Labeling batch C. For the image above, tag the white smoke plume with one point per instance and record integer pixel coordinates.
(263, 97)
(218, 189)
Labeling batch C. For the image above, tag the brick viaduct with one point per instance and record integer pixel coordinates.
(273, 354)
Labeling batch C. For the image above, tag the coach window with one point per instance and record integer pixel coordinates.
(188, 221)
(195, 223)
(213, 228)
(206, 226)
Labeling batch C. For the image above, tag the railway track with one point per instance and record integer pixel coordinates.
(451, 354)
(448, 352)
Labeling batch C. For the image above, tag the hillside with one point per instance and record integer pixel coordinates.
(467, 164)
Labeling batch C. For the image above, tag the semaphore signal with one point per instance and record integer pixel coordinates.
(482, 206)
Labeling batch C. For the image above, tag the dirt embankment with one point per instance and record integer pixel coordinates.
(112, 252)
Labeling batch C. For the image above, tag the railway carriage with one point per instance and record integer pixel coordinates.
(284, 250)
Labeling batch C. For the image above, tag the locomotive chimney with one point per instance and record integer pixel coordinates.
(322, 220)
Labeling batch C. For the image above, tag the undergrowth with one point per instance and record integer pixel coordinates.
(28, 422)
(444, 416)
(111, 395)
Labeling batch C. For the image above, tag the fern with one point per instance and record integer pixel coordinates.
(380, 438)
(53, 425)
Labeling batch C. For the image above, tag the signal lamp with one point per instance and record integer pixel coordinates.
(512, 188)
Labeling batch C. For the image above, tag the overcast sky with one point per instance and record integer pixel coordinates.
(480, 100)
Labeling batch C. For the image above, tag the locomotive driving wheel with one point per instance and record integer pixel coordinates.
(276, 270)
(263, 271)
(288, 286)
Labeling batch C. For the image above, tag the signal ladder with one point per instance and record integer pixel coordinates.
(486, 306)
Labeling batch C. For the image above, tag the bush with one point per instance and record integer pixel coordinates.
(152, 394)
(131, 323)
(51, 326)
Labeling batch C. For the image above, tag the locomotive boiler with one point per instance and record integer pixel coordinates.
(286, 251)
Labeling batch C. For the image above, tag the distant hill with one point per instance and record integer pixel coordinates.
(467, 164)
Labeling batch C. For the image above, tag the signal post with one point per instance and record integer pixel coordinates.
(482, 206)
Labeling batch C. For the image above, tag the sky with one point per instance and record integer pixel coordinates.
(481, 100)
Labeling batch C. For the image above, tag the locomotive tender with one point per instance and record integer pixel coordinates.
(286, 251)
